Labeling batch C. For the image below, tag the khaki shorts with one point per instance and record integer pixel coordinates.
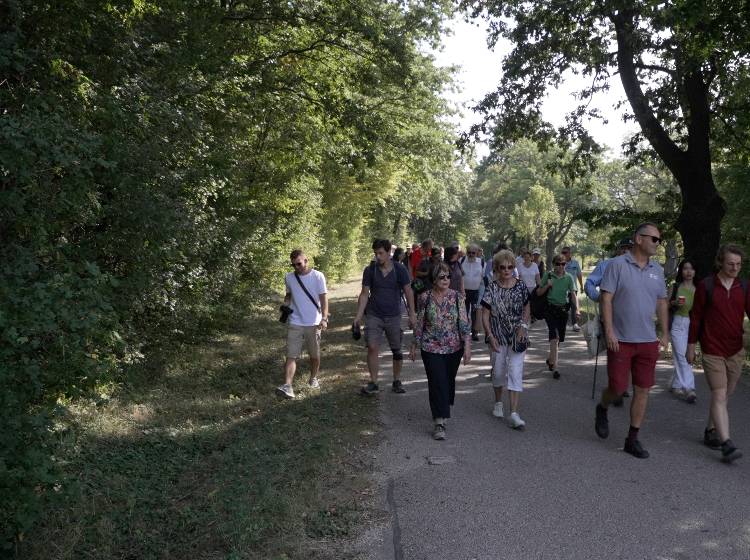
(375, 327)
(297, 337)
(720, 371)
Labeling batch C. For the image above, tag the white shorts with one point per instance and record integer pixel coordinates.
(507, 369)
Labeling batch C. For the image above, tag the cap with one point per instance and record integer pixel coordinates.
(625, 242)
(536, 251)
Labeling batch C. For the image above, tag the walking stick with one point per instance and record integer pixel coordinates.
(596, 365)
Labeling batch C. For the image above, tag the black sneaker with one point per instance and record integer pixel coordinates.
(618, 403)
(555, 374)
(396, 387)
(711, 439)
(729, 452)
(601, 425)
(370, 389)
(635, 449)
(625, 395)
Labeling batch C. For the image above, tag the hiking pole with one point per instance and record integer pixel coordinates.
(596, 365)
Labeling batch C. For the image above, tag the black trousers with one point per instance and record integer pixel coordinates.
(441, 372)
(472, 301)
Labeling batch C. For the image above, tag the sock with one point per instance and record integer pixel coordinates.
(633, 434)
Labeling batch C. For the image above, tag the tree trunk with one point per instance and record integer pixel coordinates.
(670, 265)
(699, 223)
(549, 249)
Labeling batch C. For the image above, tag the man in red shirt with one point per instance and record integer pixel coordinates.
(716, 321)
(418, 254)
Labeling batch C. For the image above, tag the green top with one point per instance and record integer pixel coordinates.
(688, 294)
(561, 286)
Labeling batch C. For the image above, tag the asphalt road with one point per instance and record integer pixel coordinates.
(555, 490)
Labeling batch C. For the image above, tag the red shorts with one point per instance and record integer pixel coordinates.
(636, 357)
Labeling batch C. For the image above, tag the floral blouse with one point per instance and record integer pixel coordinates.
(441, 327)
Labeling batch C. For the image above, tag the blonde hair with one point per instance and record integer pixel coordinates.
(503, 257)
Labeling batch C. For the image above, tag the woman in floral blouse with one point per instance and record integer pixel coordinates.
(505, 315)
(443, 335)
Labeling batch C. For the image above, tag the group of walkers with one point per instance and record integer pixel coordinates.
(449, 295)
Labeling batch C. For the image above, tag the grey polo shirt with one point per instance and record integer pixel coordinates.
(634, 293)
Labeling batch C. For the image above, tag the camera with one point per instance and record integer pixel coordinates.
(356, 331)
(285, 312)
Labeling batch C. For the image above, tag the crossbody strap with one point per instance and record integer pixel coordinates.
(312, 299)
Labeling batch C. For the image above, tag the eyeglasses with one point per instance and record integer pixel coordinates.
(444, 277)
(505, 267)
(652, 237)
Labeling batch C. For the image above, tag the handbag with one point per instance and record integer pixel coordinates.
(517, 345)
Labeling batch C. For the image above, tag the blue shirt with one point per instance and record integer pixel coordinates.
(591, 287)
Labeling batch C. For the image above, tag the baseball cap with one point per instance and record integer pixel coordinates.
(536, 251)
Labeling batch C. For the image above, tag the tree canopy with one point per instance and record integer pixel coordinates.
(682, 65)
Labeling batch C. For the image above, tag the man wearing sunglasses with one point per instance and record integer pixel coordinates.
(633, 288)
(306, 295)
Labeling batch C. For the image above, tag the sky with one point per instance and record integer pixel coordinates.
(479, 74)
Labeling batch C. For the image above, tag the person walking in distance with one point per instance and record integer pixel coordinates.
(536, 256)
(573, 267)
(473, 268)
(306, 297)
(383, 282)
(633, 288)
(528, 271)
(443, 335)
(680, 304)
(559, 287)
(457, 275)
(721, 301)
(506, 314)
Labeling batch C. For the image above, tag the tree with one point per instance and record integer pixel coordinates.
(534, 217)
(680, 63)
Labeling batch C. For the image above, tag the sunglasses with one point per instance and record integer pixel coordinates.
(444, 277)
(505, 267)
(300, 263)
(559, 264)
(652, 237)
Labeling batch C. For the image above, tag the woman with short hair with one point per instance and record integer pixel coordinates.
(559, 287)
(505, 315)
(443, 335)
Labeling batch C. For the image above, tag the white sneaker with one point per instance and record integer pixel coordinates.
(285, 391)
(576, 327)
(314, 383)
(515, 421)
(497, 412)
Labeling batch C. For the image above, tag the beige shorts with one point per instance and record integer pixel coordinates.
(721, 371)
(298, 337)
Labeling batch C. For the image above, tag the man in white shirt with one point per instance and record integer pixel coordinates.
(473, 268)
(306, 296)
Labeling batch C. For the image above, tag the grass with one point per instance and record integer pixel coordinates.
(194, 457)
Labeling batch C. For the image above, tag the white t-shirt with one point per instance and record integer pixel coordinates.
(528, 275)
(472, 273)
(305, 314)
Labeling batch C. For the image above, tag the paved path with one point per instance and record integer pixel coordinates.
(555, 490)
